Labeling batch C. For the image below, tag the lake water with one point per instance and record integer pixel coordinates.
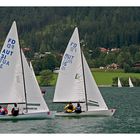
(126, 119)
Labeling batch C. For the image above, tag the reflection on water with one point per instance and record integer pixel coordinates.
(125, 120)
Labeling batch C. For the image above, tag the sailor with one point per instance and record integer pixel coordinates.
(5, 110)
(69, 108)
(78, 108)
(2, 111)
(15, 110)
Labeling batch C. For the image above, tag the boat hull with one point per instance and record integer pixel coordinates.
(30, 116)
(109, 112)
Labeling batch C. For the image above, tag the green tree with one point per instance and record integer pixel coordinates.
(95, 53)
(110, 58)
(137, 56)
(46, 77)
(126, 67)
(49, 62)
(43, 47)
(124, 58)
(37, 66)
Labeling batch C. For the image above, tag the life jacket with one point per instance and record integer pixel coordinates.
(70, 107)
(69, 111)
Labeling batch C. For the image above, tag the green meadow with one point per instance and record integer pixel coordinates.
(102, 77)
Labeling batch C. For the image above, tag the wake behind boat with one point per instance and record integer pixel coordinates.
(76, 84)
(18, 83)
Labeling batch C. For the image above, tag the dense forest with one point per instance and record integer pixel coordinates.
(48, 29)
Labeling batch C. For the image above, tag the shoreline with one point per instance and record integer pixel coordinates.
(104, 85)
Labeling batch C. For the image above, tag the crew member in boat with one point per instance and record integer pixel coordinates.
(2, 111)
(78, 108)
(6, 110)
(69, 108)
(15, 110)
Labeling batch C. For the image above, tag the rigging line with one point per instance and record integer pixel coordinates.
(24, 85)
(84, 81)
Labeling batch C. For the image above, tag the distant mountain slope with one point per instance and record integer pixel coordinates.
(49, 28)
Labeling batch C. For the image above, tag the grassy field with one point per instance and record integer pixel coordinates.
(104, 77)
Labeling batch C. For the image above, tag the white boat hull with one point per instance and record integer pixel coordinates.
(109, 112)
(30, 116)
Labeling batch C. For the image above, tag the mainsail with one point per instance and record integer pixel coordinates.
(11, 79)
(70, 86)
(72, 75)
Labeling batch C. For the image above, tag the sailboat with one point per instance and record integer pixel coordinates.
(18, 83)
(76, 84)
(119, 82)
(130, 83)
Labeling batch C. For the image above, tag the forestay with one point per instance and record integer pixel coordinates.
(11, 79)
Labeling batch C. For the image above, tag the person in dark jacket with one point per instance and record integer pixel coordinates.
(15, 110)
(2, 111)
(78, 108)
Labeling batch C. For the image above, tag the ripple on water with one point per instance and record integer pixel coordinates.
(125, 120)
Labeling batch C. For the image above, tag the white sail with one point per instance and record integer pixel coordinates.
(70, 86)
(18, 83)
(13, 73)
(11, 79)
(35, 100)
(75, 83)
(94, 97)
(130, 83)
(119, 82)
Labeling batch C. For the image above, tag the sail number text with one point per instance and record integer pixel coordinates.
(7, 51)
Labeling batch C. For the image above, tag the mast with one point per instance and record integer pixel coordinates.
(84, 80)
(24, 85)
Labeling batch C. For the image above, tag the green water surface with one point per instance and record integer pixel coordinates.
(126, 119)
